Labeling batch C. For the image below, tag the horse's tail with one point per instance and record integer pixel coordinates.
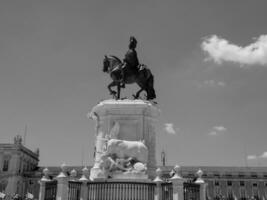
(151, 94)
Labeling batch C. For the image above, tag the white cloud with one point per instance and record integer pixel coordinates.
(213, 83)
(213, 133)
(251, 157)
(264, 155)
(216, 130)
(169, 128)
(220, 83)
(219, 50)
(219, 128)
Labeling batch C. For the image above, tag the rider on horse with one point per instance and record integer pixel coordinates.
(129, 71)
(130, 60)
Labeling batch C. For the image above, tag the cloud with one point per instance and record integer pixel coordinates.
(219, 128)
(216, 130)
(169, 128)
(252, 157)
(213, 133)
(219, 50)
(212, 83)
(264, 155)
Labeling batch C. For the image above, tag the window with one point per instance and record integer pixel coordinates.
(254, 175)
(242, 183)
(255, 184)
(255, 192)
(5, 166)
(3, 185)
(230, 195)
(243, 194)
(241, 175)
(229, 183)
(228, 175)
(216, 183)
(217, 192)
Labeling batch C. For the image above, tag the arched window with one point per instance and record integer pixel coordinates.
(3, 185)
(255, 191)
(5, 165)
(243, 194)
(230, 195)
(217, 190)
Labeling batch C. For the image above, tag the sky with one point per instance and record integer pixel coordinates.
(208, 57)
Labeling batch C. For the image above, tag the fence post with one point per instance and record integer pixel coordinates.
(62, 184)
(42, 183)
(202, 184)
(177, 184)
(84, 180)
(158, 181)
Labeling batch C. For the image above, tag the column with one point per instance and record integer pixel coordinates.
(177, 184)
(202, 184)
(62, 184)
(42, 183)
(84, 179)
(158, 181)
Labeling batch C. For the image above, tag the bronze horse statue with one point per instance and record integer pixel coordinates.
(143, 77)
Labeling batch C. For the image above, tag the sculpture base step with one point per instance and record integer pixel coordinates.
(136, 176)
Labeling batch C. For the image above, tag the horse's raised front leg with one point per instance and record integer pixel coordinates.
(112, 92)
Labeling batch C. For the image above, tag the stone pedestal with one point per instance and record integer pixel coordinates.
(177, 184)
(202, 184)
(130, 120)
(128, 176)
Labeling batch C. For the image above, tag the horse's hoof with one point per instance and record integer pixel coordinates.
(135, 97)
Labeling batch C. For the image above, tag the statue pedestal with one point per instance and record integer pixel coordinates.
(96, 173)
(129, 120)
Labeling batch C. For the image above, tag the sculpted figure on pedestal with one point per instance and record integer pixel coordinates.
(124, 156)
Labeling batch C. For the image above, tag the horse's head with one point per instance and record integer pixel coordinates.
(110, 62)
(105, 64)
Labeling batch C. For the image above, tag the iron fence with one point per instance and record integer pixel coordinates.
(50, 190)
(74, 191)
(120, 191)
(167, 191)
(191, 191)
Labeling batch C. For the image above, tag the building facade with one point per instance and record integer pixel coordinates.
(18, 167)
(229, 182)
(20, 173)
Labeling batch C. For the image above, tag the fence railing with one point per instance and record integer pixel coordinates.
(74, 192)
(167, 191)
(120, 191)
(71, 188)
(50, 190)
(191, 191)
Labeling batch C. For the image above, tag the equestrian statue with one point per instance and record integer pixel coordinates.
(129, 71)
